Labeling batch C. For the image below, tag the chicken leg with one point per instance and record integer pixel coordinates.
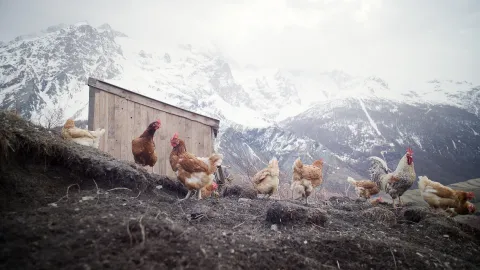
(399, 201)
(199, 194)
(186, 197)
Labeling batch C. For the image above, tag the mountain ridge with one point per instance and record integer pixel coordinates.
(348, 117)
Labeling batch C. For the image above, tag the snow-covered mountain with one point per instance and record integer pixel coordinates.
(264, 112)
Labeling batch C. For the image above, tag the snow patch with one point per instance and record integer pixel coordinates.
(416, 139)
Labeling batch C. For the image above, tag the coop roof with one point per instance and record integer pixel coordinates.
(152, 103)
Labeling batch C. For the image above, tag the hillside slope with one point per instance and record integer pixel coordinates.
(71, 207)
(275, 112)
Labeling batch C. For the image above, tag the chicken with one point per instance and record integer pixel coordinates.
(364, 188)
(439, 196)
(143, 147)
(266, 181)
(397, 182)
(307, 176)
(174, 156)
(376, 201)
(462, 209)
(301, 189)
(81, 136)
(208, 190)
(194, 172)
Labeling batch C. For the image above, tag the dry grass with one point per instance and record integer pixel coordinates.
(22, 142)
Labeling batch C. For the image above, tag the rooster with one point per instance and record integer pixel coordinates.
(397, 182)
(194, 172)
(440, 196)
(143, 147)
(266, 181)
(175, 155)
(307, 177)
(364, 188)
(81, 136)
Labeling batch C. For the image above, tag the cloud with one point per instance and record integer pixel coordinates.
(401, 41)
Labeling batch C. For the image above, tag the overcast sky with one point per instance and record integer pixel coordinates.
(398, 40)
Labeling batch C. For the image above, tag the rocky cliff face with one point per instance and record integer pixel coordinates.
(263, 112)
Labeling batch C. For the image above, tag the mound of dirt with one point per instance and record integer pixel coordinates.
(238, 191)
(25, 147)
(55, 216)
(288, 213)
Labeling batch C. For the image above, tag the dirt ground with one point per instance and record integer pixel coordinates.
(114, 216)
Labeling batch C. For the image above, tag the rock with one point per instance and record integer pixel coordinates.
(287, 213)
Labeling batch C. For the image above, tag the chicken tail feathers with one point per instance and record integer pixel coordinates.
(215, 160)
(377, 169)
(297, 170)
(422, 182)
(351, 180)
(97, 134)
(298, 164)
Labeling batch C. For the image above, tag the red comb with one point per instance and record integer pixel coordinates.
(175, 136)
(409, 150)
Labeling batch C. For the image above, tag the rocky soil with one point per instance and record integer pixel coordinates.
(65, 206)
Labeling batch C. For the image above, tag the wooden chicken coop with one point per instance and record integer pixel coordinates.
(125, 114)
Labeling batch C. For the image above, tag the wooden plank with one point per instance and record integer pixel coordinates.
(123, 129)
(152, 117)
(129, 132)
(111, 124)
(207, 140)
(162, 148)
(96, 110)
(171, 126)
(146, 120)
(188, 131)
(101, 117)
(200, 146)
(92, 92)
(138, 127)
(117, 150)
(149, 102)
